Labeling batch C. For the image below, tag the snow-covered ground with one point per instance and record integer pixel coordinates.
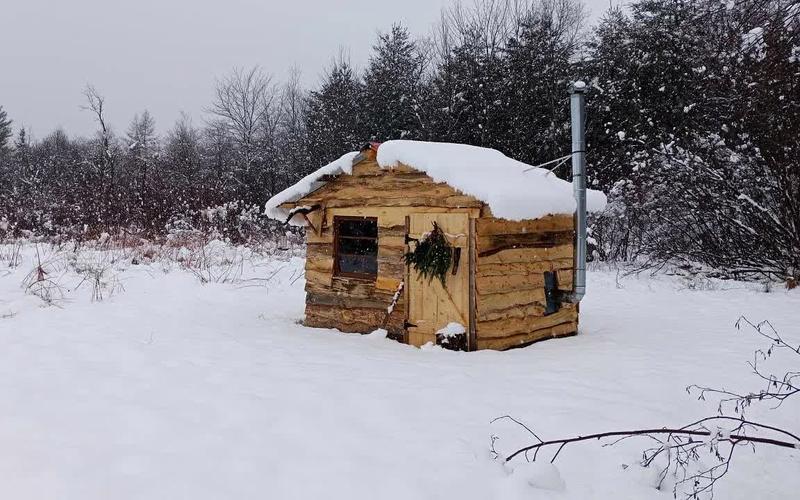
(172, 388)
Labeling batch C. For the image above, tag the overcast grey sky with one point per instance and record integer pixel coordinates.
(164, 55)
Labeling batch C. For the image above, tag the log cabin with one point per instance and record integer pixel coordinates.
(510, 226)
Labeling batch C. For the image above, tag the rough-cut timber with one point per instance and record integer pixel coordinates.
(497, 292)
(356, 305)
(509, 280)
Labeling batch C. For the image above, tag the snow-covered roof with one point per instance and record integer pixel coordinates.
(511, 189)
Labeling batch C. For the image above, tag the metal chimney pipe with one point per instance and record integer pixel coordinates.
(577, 100)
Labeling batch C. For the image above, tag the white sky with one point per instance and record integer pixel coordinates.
(164, 55)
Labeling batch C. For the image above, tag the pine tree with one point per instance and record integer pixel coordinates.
(536, 72)
(5, 131)
(335, 115)
(464, 94)
(141, 154)
(58, 168)
(22, 147)
(181, 169)
(614, 102)
(391, 87)
(293, 134)
(220, 161)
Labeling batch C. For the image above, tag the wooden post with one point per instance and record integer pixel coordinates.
(472, 343)
(406, 287)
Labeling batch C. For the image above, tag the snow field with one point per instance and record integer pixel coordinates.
(178, 386)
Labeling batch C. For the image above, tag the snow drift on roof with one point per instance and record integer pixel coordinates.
(512, 189)
(489, 175)
(307, 184)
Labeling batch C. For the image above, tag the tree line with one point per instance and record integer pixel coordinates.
(692, 122)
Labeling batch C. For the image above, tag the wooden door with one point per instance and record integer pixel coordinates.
(432, 306)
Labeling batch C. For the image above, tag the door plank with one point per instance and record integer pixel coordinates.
(432, 306)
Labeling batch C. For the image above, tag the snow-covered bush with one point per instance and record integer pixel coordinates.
(234, 221)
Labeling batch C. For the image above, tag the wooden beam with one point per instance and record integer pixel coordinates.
(521, 340)
(473, 308)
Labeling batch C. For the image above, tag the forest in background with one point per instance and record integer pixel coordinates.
(693, 115)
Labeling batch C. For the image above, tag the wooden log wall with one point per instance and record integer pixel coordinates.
(355, 305)
(509, 280)
(349, 304)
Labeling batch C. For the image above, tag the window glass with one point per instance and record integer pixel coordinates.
(358, 227)
(358, 264)
(356, 246)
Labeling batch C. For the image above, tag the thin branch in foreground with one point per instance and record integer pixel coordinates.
(684, 448)
(734, 439)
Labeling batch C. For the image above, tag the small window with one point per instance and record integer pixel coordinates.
(356, 247)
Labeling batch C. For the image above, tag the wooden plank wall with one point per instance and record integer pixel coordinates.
(509, 279)
(390, 195)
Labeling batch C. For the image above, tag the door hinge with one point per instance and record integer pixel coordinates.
(407, 325)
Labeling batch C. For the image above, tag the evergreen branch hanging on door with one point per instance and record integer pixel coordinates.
(432, 256)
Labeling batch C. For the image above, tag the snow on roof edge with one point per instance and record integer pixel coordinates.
(306, 185)
(513, 190)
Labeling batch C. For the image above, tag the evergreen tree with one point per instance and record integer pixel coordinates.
(22, 147)
(5, 131)
(293, 134)
(335, 115)
(62, 183)
(613, 118)
(220, 161)
(140, 157)
(614, 103)
(182, 168)
(464, 94)
(674, 45)
(391, 87)
(537, 71)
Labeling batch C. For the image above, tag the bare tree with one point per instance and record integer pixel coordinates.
(105, 156)
(243, 102)
(220, 151)
(245, 105)
(491, 20)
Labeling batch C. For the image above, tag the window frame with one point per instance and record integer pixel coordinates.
(337, 272)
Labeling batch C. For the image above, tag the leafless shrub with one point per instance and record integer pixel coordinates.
(11, 254)
(40, 283)
(681, 454)
(776, 388)
(99, 274)
(215, 263)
